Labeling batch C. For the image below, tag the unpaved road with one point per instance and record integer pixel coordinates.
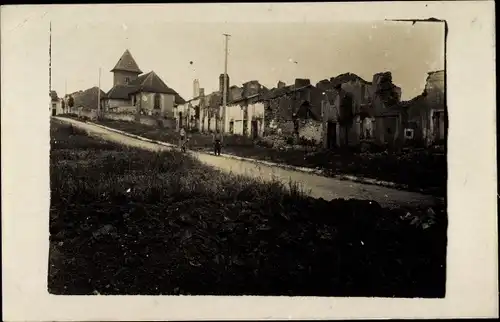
(315, 185)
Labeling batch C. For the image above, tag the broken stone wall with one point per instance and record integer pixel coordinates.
(278, 115)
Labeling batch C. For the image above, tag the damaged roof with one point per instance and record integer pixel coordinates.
(281, 91)
(346, 78)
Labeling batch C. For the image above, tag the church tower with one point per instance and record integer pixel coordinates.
(126, 70)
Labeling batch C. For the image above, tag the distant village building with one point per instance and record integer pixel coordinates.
(145, 94)
(85, 102)
(56, 104)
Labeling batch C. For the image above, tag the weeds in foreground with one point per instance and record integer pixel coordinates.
(125, 221)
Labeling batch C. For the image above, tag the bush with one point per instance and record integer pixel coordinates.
(266, 142)
(307, 142)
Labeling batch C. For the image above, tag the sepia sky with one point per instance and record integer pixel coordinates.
(86, 38)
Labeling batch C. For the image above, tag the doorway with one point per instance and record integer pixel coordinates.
(331, 135)
(391, 127)
(439, 127)
(255, 129)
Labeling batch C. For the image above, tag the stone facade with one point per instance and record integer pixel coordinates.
(159, 104)
(124, 77)
(119, 105)
(355, 111)
(294, 111)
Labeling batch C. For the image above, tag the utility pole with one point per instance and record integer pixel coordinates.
(224, 97)
(99, 95)
(50, 66)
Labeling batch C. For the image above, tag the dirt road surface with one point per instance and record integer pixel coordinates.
(315, 185)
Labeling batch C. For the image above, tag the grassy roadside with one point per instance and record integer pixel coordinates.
(125, 221)
(419, 170)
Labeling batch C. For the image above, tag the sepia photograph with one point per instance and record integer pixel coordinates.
(237, 164)
(248, 161)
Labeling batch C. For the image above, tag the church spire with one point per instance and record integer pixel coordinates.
(127, 64)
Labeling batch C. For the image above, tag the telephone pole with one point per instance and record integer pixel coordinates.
(225, 94)
(50, 60)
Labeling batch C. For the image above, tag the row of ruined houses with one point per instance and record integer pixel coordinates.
(341, 111)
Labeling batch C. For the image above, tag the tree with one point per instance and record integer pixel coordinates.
(346, 113)
(63, 105)
(71, 102)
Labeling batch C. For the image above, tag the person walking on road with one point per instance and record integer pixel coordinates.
(217, 140)
(182, 139)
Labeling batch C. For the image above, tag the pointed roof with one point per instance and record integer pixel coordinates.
(127, 64)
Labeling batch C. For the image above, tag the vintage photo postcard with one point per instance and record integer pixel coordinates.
(249, 161)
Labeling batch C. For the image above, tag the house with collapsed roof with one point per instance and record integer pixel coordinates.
(295, 110)
(204, 111)
(187, 115)
(137, 93)
(356, 111)
(245, 110)
(425, 116)
(364, 111)
(243, 115)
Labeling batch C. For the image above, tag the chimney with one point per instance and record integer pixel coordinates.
(196, 88)
(280, 84)
(202, 92)
(301, 82)
(221, 85)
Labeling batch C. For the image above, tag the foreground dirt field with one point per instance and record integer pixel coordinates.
(130, 221)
